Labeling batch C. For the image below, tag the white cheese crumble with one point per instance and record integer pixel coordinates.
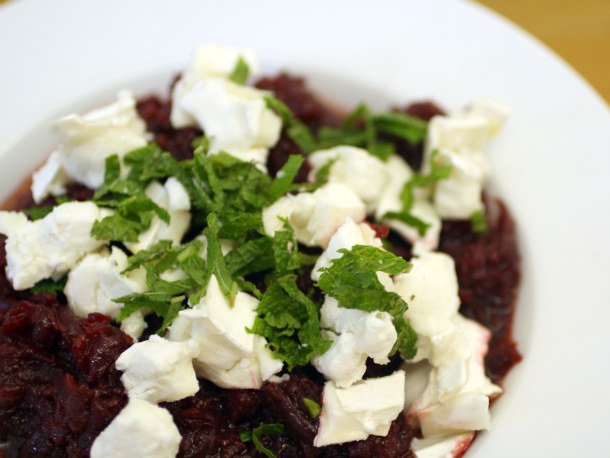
(235, 118)
(356, 336)
(315, 217)
(140, 429)
(456, 396)
(364, 409)
(208, 61)
(461, 141)
(84, 144)
(346, 236)
(96, 281)
(451, 446)
(360, 171)
(399, 173)
(230, 356)
(431, 290)
(173, 197)
(158, 370)
(51, 246)
(50, 179)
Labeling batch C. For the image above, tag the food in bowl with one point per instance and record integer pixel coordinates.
(239, 269)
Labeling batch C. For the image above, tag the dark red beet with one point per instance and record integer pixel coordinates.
(46, 399)
(488, 273)
(155, 113)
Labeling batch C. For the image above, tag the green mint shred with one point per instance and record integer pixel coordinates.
(313, 407)
(361, 128)
(290, 321)
(438, 171)
(478, 223)
(269, 429)
(241, 72)
(49, 285)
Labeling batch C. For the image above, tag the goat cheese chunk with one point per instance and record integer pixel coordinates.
(461, 141)
(431, 290)
(173, 197)
(230, 356)
(140, 429)
(209, 61)
(356, 335)
(364, 409)
(235, 118)
(399, 173)
(346, 236)
(51, 246)
(316, 216)
(158, 370)
(96, 281)
(50, 179)
(360, 171)
(84, 144)
(456, 398)
(444, 446)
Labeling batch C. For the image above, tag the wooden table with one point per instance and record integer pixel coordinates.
(577, 30)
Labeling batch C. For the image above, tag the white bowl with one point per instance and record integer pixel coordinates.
(549, 164)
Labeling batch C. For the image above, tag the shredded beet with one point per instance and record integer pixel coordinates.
(488, 273)
(59, 388)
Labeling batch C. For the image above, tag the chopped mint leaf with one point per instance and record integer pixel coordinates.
(290, 322)
(150, 162)
(201, 143)
(49, 285)
(154, 253)
(324, 172)
(173, 288)
(253, 256)
(298, 132)
(131, 217)
(478, 222)
(249, 287)
(352, 280)
(270, 429)
(406, 340)
(438, 171)
(285, 250)
(285, 177)
(216, 261)
(313, 407)
(191, 263)
(400, 125)
(36, 213)
(239, 226)
(173, 310)
(358, 129)
(156, 301)
(234, 190)
(361, 128)
(164, 298)
(133, 210)
(280, 109)
(241, 72)
(411, 220)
